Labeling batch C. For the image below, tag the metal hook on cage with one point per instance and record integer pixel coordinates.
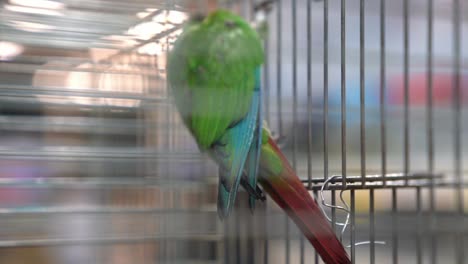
(344, 208)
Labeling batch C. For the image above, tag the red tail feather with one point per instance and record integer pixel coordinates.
(290, 194)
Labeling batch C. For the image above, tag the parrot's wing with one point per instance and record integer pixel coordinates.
(254, 153)
(231, 153)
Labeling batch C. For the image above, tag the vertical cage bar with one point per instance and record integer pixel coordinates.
(226, 251)
(394, 226)
(237, 230)
(343, 92)
(362, 90)
(267, 114)
(429, 136)
(265, 232)
(343, 108)
(406, 128)
(294, 105)
(429, 117)
(280, 104)
(406, 157)
(279, 23)
(430, 128)
(287, 237)
(294, 83)
(372, 225)
(333, 210)
(362, 128)
(245, 9)
(353, 226)
(251, 237)
(165, 193)
(325, 89)
(316, 256)
(383, 129)
(419, 227)
(309, 104)
(325, 101)
(457, 94)
(309, 95)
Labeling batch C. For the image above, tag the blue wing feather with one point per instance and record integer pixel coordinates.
(254, 154)
(232, 151)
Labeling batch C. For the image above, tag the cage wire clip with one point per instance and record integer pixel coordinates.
(344, 208)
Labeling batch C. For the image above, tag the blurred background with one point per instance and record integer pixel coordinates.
(96, 167)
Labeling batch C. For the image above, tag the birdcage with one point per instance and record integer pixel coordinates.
(366, 98)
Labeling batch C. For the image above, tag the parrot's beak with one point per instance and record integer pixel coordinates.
(197, 18)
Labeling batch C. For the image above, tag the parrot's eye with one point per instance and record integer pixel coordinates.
(229, 23)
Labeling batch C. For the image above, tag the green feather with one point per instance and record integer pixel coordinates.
(210, 74)
(271, 161)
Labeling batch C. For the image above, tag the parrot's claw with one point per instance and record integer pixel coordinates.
(261, 194)
(257, 193)
(279, 139)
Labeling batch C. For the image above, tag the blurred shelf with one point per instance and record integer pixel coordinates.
(13, 67)
(96, 153)
(28, 91)
(72, 124)
(107, 240)
(104, 210)
(104, 182)
(80, 25)
(186, 261)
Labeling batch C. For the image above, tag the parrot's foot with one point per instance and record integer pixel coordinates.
(261, 194)
(279, 139)
(257, 193)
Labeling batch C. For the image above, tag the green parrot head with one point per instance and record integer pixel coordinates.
(212, 73)
(224, 19)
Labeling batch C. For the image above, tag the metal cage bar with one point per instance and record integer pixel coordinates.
(457, 128)
(417, 183)
(430, 127)
(327, 116)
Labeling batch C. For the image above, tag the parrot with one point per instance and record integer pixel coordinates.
(214, 76)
